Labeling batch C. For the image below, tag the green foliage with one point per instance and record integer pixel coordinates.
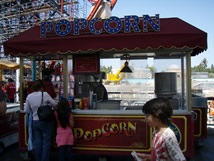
(152, 70)
(106, 69)
(199, 68)
(211, 75)
(202, 67)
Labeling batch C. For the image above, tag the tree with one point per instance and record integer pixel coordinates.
(202, 67)
(106, 69)
(152, 70)
(204, 63)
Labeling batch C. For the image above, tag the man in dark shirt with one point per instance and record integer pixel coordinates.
(100, 90)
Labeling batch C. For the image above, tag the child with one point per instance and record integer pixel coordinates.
(165, 146)
(64, 137)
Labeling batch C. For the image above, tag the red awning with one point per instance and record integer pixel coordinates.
(174, 34)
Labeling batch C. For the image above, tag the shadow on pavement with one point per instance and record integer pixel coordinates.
(204, 150)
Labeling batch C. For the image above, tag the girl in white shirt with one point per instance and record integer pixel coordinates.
(165, 146)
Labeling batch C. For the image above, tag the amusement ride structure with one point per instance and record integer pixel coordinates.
(17, 16)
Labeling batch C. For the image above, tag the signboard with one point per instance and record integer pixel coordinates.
(84, 64)
(112, 133)
(98, 26)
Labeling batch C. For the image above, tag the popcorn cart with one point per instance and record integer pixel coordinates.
(118, 126)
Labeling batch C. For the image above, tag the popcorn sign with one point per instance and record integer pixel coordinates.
(128, 24)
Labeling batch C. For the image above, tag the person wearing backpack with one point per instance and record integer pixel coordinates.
(41, 130)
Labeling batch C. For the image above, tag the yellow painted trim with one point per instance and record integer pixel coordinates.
(25, 131)
(110, 149)
(185, 131)
(200, 122)
(129, 116)
(26, 138)
(151, 131)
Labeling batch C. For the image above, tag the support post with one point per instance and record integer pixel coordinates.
(65, 76)
(21, 83)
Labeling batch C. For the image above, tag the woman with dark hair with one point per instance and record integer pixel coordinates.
(65, 123)
(42, 130)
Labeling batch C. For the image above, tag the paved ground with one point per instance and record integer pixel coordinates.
(204, 151)
(13, 154)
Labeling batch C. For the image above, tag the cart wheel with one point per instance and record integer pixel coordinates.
(1, 148)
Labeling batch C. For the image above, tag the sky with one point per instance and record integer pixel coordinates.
(198, 13)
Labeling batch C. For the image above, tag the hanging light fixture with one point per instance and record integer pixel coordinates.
(126, 68)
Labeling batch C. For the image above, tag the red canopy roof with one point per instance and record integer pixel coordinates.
(174, 34)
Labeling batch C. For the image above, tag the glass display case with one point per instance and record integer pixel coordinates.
(150, 78)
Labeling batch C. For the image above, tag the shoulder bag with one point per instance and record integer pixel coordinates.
(45, 113)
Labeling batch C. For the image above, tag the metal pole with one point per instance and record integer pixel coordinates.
(18, 77)
(61, 7)
(34, 70)
(71, 16)
(21, 83)
(65, 76)
(189, 85)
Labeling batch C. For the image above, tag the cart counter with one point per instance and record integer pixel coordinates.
(118, 132)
